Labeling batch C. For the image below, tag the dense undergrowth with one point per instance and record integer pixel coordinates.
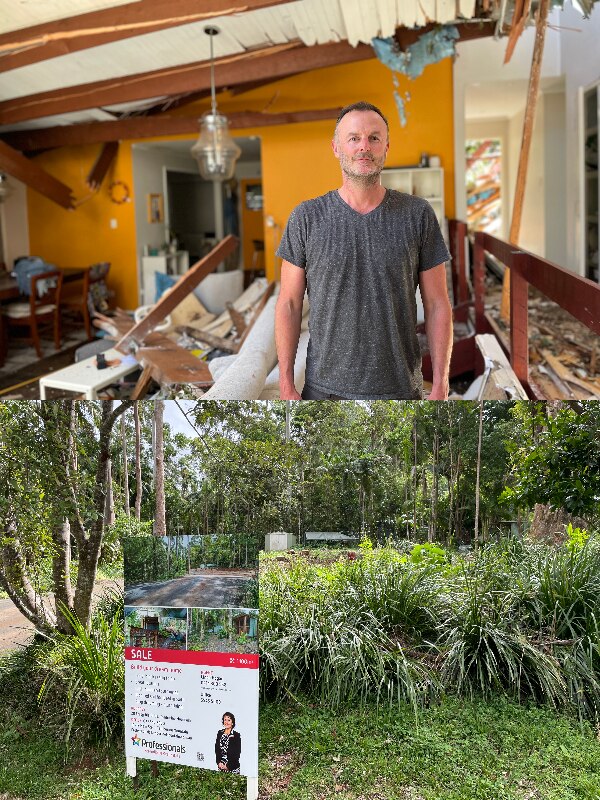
(515, 619)
(72, 685)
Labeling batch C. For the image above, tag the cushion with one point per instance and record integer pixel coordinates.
(19, 310)
(162, 282)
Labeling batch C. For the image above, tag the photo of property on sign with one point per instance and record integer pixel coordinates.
(191, 673)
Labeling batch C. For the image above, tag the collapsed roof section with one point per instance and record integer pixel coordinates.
(142, 60)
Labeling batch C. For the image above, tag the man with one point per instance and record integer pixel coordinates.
(361, 251)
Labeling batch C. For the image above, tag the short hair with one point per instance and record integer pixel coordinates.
(228, 714)
(362, 105)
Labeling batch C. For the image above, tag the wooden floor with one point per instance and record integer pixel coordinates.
(22, 369)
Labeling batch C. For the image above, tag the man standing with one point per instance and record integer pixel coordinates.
(361, 251)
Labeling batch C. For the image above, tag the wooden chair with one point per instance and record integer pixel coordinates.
(76, 295)
(39, 310)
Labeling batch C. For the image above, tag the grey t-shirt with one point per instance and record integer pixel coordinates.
(361, 275)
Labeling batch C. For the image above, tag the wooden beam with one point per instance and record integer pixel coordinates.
(273, 62)
(530, 108)
(476, 29)
(60, 37)
(168, 364)
(98, 171)
(186, 283)
(149, 127)
(15, 164)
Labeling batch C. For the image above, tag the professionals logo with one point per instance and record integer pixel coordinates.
(136, 740)
(168, 748)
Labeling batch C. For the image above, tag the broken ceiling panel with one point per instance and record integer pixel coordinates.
(15, 15)
(273, 24)
(303, 24)
(430, 48)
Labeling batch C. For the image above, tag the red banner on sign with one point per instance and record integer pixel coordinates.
(200, 657)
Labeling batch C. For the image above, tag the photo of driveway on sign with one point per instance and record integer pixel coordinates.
(206, 588)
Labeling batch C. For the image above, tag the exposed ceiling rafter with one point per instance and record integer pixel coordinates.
(107, 155)
(149, 127)
(20, 167)
(274, 62)
(52, 39)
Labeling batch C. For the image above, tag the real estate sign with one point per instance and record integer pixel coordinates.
(176, 701)
(191, 653)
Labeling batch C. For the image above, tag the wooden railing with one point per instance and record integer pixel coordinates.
(579, 296)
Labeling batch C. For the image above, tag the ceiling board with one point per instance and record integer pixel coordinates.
(15, 15)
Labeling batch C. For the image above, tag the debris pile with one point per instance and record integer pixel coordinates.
(564, 355)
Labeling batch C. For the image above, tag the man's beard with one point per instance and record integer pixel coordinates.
(364, 179)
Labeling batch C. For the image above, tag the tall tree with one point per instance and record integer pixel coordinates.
(125, 466)
(54, 472)
(138, 460)
(160, 523)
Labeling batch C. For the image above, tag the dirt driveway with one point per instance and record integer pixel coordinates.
(199, 589)
(16, 630)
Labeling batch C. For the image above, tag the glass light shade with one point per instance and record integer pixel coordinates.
(215, 151)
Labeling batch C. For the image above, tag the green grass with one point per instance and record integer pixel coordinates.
(469, 750)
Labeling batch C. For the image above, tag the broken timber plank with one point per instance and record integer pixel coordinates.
(169, 364)
(239, 323)
(101, 166)
(567, 376)
(530, 108)
(218, 342)
(501, 373)
(234, 343)
(135, 337)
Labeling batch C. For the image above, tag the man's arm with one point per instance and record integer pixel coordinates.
(288, 319)
(438, 325)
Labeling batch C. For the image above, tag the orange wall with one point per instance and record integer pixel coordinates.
(84, 236)
(297, 162)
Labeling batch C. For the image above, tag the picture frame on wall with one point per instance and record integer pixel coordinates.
(156, 211)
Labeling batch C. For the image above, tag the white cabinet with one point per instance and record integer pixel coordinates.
(427, 182)
(168, 263)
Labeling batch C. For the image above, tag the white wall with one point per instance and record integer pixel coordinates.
(572, 50)
(495, 129)
(480, 61)
(555, 177)
(533, 229)
(149, 164)
(14, 222)
(148, 178)
(580, 57)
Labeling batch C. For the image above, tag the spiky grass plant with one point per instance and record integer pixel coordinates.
(340, 655)
(486, 652)
(568, 596)
(84, 683)
(327, 632)
(403, 596)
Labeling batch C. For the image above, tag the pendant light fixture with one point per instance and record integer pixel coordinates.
(215, 151)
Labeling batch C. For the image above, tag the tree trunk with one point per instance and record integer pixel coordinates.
(434, 484)
(160, 523)
(125, 467)
(109, 505)
(138, 461)
(61, 575)
(476, 534)
(548, 525)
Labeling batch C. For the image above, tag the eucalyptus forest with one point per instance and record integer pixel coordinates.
(460, 635)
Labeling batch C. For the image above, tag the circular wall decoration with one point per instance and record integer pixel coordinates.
(118, 191)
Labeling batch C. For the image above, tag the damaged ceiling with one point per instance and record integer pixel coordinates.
(82, 71)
